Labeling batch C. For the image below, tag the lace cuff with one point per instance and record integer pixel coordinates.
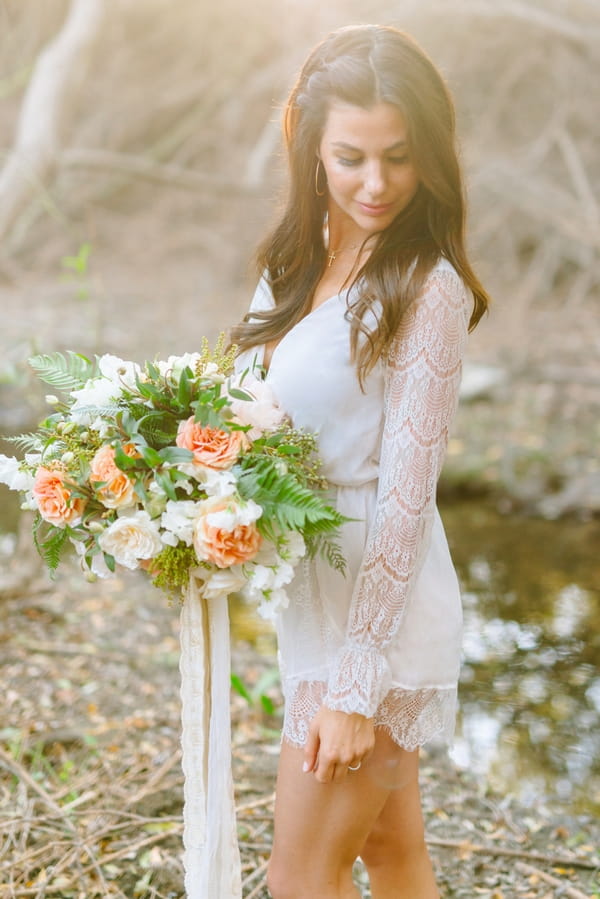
(360, 679)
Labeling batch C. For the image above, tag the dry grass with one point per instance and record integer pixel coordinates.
(90, 779)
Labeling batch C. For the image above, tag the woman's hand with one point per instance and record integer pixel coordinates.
(336, 742)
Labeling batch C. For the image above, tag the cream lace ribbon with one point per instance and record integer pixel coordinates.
(211, 854)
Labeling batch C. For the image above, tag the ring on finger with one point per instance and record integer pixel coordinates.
(354, 767)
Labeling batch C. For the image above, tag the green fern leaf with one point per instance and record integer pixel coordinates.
(65, 372)
(284, 500)
(26, 443)
(50, 546)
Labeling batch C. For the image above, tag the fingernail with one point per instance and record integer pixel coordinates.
(305, 767)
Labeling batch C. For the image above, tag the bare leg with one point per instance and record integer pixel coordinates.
(395, 853)
(320, 829)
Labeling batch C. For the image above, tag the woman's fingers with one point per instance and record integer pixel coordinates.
(311, 749)
(337, 742)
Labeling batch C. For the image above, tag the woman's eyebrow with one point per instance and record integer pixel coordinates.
(342, 145)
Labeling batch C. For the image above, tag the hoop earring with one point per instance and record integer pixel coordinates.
(317, 191)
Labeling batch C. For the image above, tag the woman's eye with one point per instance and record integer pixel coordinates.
(345, 161)
(399, 160)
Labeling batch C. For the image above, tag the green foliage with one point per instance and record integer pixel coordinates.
(297, 450)
(171, 569)
(289, 505)
(65, 372)
(49, 541)
(26, 443)
(284, 501)
(222, 355)
(78, 264)
(257, 695)
(158, 428)
(77, 269)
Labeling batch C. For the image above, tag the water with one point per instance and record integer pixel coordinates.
(530, 685)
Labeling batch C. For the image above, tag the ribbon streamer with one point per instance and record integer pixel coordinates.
(211, 854)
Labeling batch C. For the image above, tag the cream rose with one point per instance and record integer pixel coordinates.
(223, 582)
(130, 538)
(262, 412)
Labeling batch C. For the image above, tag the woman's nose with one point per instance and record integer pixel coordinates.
(375, 179)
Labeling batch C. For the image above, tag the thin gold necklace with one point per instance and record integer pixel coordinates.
(332, 256)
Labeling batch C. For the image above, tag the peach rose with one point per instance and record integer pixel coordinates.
(115, 489)
(225, 533)
(211, 446)
(55, 502)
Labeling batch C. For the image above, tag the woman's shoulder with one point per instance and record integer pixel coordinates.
(444, 283)
(443, 270)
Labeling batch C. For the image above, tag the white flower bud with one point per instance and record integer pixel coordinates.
(51, 399)
(94, 527)
(67, 457)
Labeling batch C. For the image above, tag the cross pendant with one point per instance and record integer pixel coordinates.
(330, 259)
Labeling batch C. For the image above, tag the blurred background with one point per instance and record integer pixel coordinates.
(140, 162)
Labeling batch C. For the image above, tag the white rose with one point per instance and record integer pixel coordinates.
(12, 476)
(130, 538)
(262, 412)
(177, 521)
(224, 582)
(237, 513)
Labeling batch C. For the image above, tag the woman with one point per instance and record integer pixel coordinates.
(359, 322)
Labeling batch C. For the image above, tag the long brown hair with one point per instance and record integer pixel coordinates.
(365, 65)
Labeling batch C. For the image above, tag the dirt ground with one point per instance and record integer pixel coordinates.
(91, 787)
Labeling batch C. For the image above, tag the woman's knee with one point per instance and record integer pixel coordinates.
(281, 881)
(385, 847)
(308, 881)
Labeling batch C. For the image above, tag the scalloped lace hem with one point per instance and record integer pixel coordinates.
(411, 717)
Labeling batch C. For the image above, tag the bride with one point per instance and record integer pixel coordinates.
(359, 323)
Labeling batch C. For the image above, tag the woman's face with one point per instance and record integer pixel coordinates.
(370, 175)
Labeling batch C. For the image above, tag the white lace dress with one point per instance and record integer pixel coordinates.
(385, 640)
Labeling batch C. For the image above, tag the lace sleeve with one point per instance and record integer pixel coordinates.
(421, 393)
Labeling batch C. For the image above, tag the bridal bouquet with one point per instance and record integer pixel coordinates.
(178, 467)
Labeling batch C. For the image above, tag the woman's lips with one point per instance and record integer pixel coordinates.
(380, 209)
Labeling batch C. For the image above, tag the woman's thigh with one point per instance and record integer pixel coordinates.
(320, 829)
